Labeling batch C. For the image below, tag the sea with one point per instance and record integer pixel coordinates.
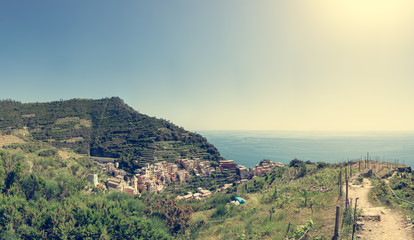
(248, 148)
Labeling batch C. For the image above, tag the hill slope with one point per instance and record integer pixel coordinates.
(105, 128)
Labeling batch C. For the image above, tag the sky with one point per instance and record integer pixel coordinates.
(219, 64)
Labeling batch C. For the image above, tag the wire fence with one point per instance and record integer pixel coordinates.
(348, 216)
(395, 195)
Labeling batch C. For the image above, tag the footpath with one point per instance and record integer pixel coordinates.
(378, 222)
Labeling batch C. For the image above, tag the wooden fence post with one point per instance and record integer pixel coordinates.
(340, 183)
(288, 230)
(336, 233)
(346, 195)
(354, 227)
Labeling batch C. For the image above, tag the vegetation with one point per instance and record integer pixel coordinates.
(282, 204)
(402, 184)
(48, 201)
(105, 128)
(45, 196)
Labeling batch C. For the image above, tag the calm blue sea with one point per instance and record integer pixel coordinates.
(250, 147)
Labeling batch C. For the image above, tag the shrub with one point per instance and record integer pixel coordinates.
(48, 153)
(220, 211)
(322, 165)
(296, 163)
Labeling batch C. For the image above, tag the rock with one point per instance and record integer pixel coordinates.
(372, 213)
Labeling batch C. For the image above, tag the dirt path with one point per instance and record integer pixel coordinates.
(378, 222)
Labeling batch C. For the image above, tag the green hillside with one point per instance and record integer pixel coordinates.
(48, 197)
(44, 195)
(105, 128)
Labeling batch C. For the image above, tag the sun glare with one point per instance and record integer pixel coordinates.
(362, 12)
(363, 21)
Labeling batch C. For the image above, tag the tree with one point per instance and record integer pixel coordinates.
(296, 163)
(31, 184)
(301, 171)
(13, 176)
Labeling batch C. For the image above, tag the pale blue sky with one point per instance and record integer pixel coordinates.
(235, 64)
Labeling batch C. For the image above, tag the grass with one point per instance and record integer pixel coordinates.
(283, 197)
(401, 183)
(47, 160)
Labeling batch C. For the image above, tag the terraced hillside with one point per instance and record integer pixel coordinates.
(105, 128)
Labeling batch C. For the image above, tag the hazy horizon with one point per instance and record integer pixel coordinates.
(264, 65)
(250, 147)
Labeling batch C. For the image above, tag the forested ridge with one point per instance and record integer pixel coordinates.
(105, 128)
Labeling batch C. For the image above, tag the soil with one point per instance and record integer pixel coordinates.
(378, 222)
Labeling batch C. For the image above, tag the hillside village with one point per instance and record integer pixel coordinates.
(167, 176)
(156, 177)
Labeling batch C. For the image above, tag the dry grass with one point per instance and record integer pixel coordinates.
(82, 122)
(67, 119)
(65, 154)
(74, 140)
(9, 139)
(252, 219)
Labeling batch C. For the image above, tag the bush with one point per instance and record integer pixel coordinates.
(48, 153)
(220, 211)
(296, 163)
(322, 165)
(176, 217)
(301, 171)
(299, 231)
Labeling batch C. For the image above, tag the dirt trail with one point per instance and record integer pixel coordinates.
(391, 224)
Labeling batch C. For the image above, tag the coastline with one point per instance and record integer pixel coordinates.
(250, 147)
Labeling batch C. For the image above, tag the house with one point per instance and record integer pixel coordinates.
(197, 196)
(172, 168)
(204, 193)
(130, 191)
(183, 175)
(242, 171)
(151, 186)
(207, 194)
(187, 164)
(188, 196)
(134, 182)
(142, 179)
(178, 198)
(93, 179)
(227, 164)
(116, 183)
